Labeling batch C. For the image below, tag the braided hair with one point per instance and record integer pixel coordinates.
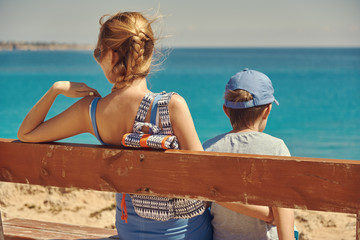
(131, 36)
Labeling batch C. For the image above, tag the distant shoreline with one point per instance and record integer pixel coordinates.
(29, 46)
(35, 46)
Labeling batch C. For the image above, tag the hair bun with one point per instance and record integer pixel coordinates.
(131, 36)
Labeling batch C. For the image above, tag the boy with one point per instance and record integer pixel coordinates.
(248, 102)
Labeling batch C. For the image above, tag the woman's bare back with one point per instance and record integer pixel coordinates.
(115, 115)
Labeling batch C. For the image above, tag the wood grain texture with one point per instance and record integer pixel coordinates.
(358, 226)
(24, 229)
(1, 229)
(294, 182)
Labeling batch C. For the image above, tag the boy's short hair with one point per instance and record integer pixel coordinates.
(247, 94)
(244, 117)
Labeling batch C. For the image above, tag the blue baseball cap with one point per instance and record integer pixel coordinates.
(254, 82)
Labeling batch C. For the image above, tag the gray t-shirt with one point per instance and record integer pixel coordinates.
(230, 225)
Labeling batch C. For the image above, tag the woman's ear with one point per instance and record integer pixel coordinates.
(226, 111)
(114, 57)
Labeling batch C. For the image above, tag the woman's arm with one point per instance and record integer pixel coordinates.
(284, 220)
(259, 212)
(183, 124)
(68, 123)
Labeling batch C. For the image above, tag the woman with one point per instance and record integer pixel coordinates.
(124, 51)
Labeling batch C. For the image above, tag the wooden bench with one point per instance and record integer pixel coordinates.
(292, 182)
(33, 229)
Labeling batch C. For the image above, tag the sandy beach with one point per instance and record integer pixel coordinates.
(97, 209)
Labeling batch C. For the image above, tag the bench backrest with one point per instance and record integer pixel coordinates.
(293, 182)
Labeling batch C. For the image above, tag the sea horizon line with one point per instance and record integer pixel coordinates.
(57, 46)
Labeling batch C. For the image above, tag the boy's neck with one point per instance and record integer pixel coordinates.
(237, 130)
(258, 126)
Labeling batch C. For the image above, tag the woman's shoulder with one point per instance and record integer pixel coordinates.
(84, 103)
(177, 105)
(176, 100)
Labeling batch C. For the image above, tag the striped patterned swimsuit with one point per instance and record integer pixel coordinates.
(157, 217)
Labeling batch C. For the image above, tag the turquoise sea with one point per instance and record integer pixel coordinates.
(318, 90)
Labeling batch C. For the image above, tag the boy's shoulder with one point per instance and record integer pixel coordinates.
(242, 136)
(212, 141)
(247, 142)
(268, 137)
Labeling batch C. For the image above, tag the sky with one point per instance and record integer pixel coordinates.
(191, 23)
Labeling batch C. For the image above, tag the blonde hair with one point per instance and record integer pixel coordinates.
(130, 35)
(246, 117)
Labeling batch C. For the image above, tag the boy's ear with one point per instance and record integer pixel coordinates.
(267, 111)
(226, 111)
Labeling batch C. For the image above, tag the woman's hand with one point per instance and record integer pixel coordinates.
(34, 128)
(74, 89)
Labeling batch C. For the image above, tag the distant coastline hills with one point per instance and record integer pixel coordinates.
(33, 46)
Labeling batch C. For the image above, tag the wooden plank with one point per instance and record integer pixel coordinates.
(293, 182)
(1, 229)
(41, 238)
(358, 226)
(47, 230)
